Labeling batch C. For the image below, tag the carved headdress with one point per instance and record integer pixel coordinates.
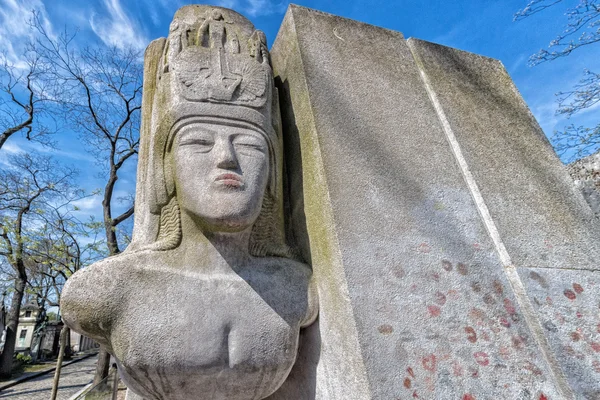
(213, 68)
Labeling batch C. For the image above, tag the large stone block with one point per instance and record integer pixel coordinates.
(410, 214)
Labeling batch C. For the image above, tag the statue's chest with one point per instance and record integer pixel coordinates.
(209, 331)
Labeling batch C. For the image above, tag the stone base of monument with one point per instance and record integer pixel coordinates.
(453, 256)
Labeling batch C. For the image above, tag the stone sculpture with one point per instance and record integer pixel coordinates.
(208, 300)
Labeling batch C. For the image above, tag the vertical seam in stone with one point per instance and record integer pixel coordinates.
(361, 388)
(511, 271)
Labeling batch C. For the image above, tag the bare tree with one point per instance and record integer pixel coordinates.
(24, 98)
(26, 189)
(61, 246)
(582, 29)
(99, 90)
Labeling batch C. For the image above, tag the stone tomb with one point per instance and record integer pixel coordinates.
(451, 255)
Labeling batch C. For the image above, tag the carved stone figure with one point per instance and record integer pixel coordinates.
(208, 300)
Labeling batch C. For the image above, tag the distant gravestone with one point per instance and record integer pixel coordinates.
(450, 253)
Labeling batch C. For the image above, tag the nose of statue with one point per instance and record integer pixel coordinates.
(225, 155)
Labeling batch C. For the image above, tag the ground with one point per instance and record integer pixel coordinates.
(73, 378)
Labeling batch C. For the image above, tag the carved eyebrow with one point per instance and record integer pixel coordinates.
(195, 130)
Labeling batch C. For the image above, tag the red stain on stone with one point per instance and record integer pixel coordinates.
(549, 300)
(498, 288)
(407, 383)
(474, 372)
(476, 314)
(471, 334)
(533, 368)
(477, 246)
(575, 336)
(489, 299)
(436, 276)
(509, 307)
(440, 298)
(596, 365)
(415, 395)
(569, 294)
(577, 288)
(481, 358)
(434, 311)
(462, 269)
(468, 396)
(504, 322)
(517, 342)
(399, 272)
(543, 397)
(385, 329)
(410, 372)
(447, 265)
(457, 369)
(595, 346)
(429, 362)
(579, 314)
(598, 328)
(424, 248)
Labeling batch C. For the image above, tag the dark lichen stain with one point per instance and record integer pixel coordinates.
(539, 279)
(549, 325)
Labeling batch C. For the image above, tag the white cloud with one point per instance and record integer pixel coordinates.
(12, 148)
(90, 203)
(117, 28)
(14, 27)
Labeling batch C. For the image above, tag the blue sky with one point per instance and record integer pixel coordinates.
(480, 26)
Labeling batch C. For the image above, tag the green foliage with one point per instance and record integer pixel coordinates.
(23, 359)
(52, 316)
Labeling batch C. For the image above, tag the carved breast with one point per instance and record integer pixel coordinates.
(204, 337)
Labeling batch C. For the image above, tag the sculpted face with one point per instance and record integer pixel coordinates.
(221, 173)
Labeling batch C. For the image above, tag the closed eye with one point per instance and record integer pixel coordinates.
(200, 144)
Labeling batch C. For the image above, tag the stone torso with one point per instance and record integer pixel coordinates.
(202, 337)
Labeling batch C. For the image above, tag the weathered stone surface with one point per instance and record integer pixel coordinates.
(541, 217)
(208, 300)
(543, 228)
(586, 176)
(414, 299)
(566, 302)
